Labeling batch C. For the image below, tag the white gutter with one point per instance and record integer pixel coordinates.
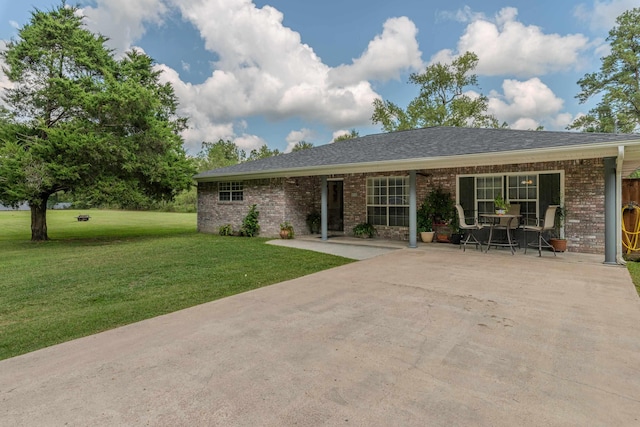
(619, 164)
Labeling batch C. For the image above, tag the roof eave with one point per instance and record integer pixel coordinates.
(483, 159)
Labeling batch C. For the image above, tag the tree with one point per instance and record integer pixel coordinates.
(80, 121)
(617, 82)
(351, 135)
(218, 155)
(441, 102)
(301, 145)
(262, 153)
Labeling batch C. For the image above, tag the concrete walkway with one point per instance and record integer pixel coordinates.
(431, 336)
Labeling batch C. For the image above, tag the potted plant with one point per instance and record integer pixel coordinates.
(501, 205)
(313, 222)
(364, 230)
(438, 208)
(558, 241)
(286, 230)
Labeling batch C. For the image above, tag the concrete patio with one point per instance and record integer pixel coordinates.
(430, 336)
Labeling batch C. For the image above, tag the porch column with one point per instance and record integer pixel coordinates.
(610, 210)
(323, 209)
(413, 223)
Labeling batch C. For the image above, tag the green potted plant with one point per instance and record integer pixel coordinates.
(439, 208)
(286, 230)
(313, 222)
(425, 222)
(501, 205)
(364, 230)
(558, 241)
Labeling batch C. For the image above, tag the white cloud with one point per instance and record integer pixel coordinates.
(263, 68)
(507, 47)
(602, 14)
(123, 21)
(395, 50)
(249, 142)
(296, 136)
(528, 104)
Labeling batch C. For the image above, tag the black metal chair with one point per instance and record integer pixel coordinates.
(468, 229)
(542, 226)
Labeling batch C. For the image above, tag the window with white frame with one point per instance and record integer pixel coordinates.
(388, 201)
(230, 192)
(533, 191)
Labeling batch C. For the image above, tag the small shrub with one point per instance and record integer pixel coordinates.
(250, 226)
(364, 230)
(225, 230)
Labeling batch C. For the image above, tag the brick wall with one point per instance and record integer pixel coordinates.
(267, 194)
(277, 200)
(292, 199)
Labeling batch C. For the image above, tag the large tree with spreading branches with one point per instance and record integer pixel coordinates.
(79, 120)
(617, 84)
(444, 99)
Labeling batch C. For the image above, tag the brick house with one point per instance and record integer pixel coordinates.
(382, 178)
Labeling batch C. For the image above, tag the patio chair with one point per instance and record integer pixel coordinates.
(542, 226)
(468, 229)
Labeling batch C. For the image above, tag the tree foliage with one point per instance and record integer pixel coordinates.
(262, 152)
(442, 100)
(347, 136)
(219, 154)
(617, 82)
(301, 145)
(80, 121)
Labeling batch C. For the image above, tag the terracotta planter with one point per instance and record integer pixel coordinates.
(427, 236)
(559, 245)
(284, 234)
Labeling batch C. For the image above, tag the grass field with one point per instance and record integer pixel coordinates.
(122, 267)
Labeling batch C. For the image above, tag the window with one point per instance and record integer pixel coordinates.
(230, 192)
(388, 201)
(487, 189)
(532, 191)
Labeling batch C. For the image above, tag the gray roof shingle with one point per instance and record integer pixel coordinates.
(431, 142)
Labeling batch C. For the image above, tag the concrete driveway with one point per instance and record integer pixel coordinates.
(411, 338)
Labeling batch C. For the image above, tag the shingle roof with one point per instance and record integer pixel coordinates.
(432, 142)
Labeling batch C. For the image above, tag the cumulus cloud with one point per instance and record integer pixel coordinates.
(263, 68)
(506, 46)
(389, 53)
(527, 105)
(123, 21)
(601, 15)
(296, 136)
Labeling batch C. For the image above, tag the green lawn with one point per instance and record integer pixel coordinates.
(634, 271)
(122, 267)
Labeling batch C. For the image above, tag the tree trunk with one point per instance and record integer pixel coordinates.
(39, 221)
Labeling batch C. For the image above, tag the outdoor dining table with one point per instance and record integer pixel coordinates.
(495, 220)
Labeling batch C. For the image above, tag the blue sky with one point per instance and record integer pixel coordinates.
(280, 71)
